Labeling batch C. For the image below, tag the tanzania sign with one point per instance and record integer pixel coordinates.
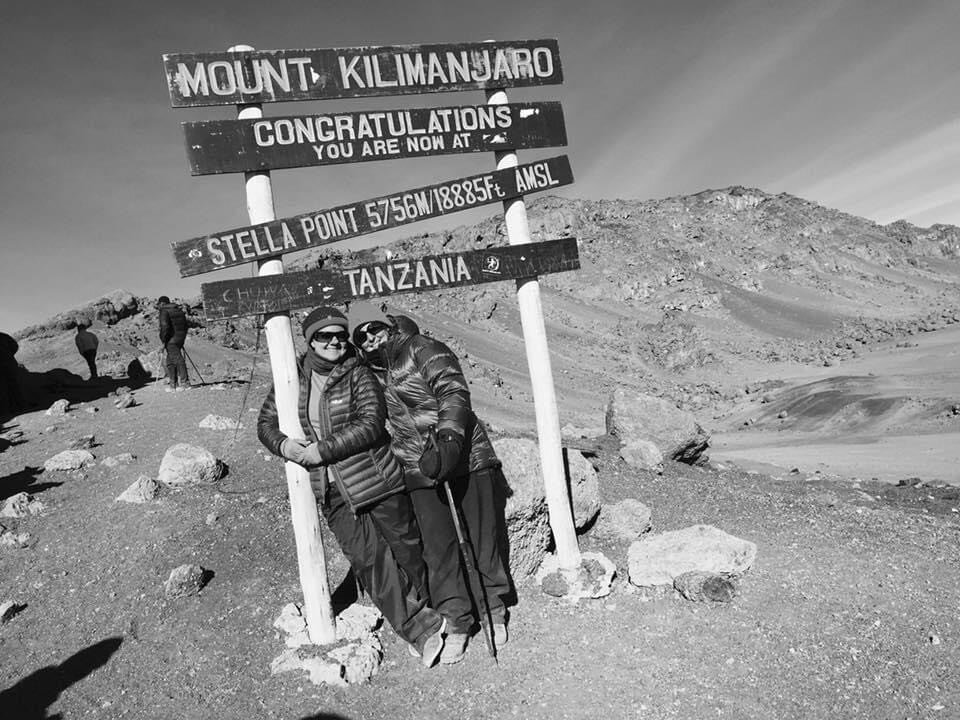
(234, 78)
(321, 227)
(290, 291)
(222, 146)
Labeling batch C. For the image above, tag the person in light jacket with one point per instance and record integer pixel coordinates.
(356, 478)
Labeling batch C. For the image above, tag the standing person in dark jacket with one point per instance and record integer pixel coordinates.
(357, 479)
(426, 390)
(173, 333)
(87, 344)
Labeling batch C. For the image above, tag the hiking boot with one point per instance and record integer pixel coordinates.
(500, 636)
(432, 646)
(454, 648)
(429, 646)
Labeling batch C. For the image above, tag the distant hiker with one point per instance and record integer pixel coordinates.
(87, 344)
(11, 398)
(173, 333)
(426, 392)
(356, 478)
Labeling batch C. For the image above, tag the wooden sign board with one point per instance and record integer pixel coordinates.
(322, 227)
(292, 291)
(247, 77)
(224, 146)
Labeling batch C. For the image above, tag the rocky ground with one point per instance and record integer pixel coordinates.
(848, 611)
(818, 350)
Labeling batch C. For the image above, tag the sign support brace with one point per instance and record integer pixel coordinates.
(541, 376)
(318, 610)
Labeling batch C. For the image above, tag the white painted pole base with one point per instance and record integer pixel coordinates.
(541, 378)
(311, 561)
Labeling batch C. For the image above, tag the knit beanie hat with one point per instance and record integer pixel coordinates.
(362, 312)
(321, 317)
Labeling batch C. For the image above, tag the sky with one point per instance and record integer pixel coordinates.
(850, 103)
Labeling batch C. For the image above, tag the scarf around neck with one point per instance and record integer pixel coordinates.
(321, 366)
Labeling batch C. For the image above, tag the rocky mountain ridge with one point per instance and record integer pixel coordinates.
(670, 296)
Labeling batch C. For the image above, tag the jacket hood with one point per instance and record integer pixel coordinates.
(404, 325)
(403, 331)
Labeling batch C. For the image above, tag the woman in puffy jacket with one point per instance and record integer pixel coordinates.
(428, 395)
(356, 478)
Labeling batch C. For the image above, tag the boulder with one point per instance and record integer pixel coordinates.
(642, 454)
(21, 505)
(124, 400)
(153, 363)
(144, 489)
(9, 609)
(525, 510)
(675, 432)
(705, 587)
(219, 422)
(184, 581)
(528, 524)
(58, 408)
(84, 442)
(185, 464)
(11, 539)
(625, 520)
(69, 460)
(115, 460)
(659, 559)
(136, 372)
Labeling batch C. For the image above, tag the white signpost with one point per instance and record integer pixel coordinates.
(246, 77)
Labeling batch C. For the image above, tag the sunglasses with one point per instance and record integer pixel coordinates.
(327, 337)
(361, 334)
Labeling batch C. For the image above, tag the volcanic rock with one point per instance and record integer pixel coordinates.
(184, 580)
(144, 489)
(528, 525)
(69, 460)
(659, 559)
(625, 520)
(185, 464)
(675, 432)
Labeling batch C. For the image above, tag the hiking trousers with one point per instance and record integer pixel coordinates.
(449, 584)
(176, 365)
(382, 543)
(91, 357)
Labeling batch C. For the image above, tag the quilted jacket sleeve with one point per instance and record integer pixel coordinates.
(439, 367)
(361, 424)
(268, 425)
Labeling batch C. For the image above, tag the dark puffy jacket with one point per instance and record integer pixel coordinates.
(425, 388)
(173, 324)
(354, 442)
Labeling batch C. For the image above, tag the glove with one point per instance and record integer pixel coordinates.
(292, 449)
(311, 456)
(442, 455)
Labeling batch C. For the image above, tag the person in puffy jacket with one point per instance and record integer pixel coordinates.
(173, 333)
(427, 394)
(356, 478)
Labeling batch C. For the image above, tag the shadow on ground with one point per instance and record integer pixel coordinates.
(24, 481)
(30, 698)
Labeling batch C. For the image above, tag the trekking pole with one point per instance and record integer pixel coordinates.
(196, 369)
(479, 596)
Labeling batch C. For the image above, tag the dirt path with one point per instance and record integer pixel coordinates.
(934, 457)
(849, 611)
